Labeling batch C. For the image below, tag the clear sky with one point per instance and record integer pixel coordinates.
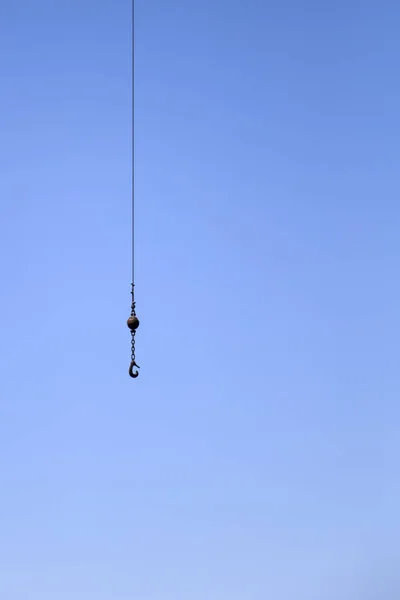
(257, 455)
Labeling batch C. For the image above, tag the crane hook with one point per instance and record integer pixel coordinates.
(132, 373)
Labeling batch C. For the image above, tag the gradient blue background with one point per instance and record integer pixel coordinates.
(257, 455)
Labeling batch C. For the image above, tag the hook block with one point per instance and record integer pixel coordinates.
(133, 322)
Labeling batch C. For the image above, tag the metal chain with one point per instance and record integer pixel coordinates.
(133, 347)
(133, 331)
(133, 324)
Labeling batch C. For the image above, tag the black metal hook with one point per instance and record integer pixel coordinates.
(131, 372)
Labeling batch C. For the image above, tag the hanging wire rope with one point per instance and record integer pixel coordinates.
(133, 137)
(133, 321)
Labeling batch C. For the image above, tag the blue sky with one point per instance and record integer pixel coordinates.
(257, 454)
